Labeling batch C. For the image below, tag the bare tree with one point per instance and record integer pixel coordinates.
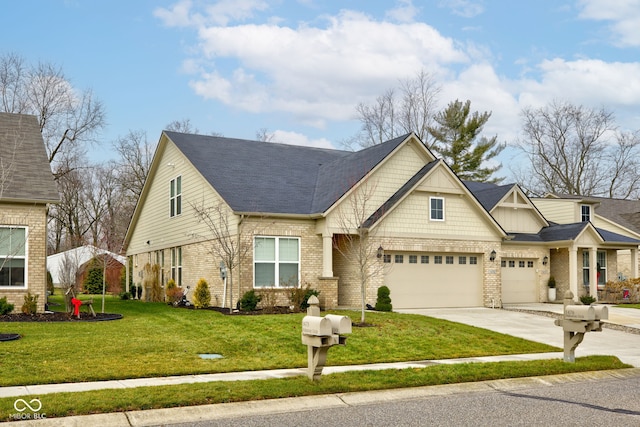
(226, 242)
(136, 154)
(577, 150)
(68, 276)
(410, 108)
(69, 119)
(185, 126)
(357, 243)
(264, 135)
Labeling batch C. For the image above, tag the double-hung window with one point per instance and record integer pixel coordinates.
(176, 265)
(276, 262)
(436, 208)
(585, 213)
(175, 199)
(13, 257)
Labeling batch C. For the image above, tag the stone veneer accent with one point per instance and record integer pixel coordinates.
(35, 218)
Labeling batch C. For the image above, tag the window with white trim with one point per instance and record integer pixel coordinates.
(175, 199)
(276, 262)
(585, 213)
(436, 208)
(13, 257)
(176, 265)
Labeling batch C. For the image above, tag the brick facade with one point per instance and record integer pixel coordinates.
(34, 217)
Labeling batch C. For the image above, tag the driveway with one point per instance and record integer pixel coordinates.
(535, 327)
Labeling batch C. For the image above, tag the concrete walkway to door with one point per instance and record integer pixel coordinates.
(535, 327)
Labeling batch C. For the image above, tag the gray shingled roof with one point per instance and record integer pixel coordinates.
(23, 161)
(568, 232)
(254, 176)
(488, 194)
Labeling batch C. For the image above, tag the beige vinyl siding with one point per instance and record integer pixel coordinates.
(518, 220)
(154, 223)
(382, 184)
(462, 218)
(613, 227)
(587, 238)
(560, 211)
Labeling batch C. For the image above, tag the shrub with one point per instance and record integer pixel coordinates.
(173, 292)
(5, 307)
(124, 295)
(93, 282)
(300, 296)
(133, 290)
(383, 303)
(202, 295)
(30, 305)
(249, 301)
(587, 299)
(269, 297)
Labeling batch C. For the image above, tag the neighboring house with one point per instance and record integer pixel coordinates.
(76, 260)
(612, 215)
(27, 187)
(442, 242)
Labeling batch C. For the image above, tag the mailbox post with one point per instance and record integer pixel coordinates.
(576, 321)
(321, 333)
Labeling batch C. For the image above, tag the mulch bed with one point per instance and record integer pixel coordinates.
(58, 317)
(267, 310)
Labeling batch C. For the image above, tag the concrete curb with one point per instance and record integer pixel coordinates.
(193, 414)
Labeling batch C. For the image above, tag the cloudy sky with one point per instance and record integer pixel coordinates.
(299, 67)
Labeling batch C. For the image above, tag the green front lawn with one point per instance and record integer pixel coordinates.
(158, 340)
(154, 339)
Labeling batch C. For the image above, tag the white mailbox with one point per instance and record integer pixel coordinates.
(602, 312)
(339, 324)
(316, 326)
(579, 312)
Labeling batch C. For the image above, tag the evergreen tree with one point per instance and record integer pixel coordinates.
(456, 140)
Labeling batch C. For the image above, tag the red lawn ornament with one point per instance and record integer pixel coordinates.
(76, 306)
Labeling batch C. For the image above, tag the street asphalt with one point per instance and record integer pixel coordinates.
(516, 320)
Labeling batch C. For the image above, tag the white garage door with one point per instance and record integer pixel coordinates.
(518, 281)
(427, 280)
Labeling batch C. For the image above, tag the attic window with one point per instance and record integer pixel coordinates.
(436, 208)
(176, 196)
(585, 212)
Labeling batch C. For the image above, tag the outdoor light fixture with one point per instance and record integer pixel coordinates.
(545, 260)
(380, 251)
(492, 256)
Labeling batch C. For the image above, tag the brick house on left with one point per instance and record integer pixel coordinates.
(27, 188)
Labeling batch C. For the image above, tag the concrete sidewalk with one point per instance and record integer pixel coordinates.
(535, 327)
(42, 389)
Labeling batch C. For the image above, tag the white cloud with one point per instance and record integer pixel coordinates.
(319, 72)
(294, 138)
(404, 12)
(464, 8)
(179, 15)
(624, 16)
(184, 13)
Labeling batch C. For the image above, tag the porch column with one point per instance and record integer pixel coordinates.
(573, 271)
(593, 272)
(634, 263)
(327, 255)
